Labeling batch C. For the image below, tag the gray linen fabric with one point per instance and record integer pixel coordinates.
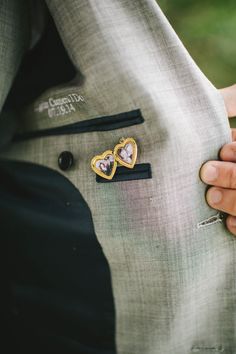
(173, 281)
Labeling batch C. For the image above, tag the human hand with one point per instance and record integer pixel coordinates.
(221, 175)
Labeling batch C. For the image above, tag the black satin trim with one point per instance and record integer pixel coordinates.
(120, 120)
(139, 171)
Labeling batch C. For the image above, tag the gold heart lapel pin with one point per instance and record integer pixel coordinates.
(105, 164)
(126, 152)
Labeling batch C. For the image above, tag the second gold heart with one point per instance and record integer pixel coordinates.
(126, 152)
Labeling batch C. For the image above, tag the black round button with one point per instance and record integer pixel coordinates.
(65, 160)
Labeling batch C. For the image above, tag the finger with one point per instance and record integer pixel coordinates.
(233, 132)
(228, 152)
(222, 199)
(219, 173)
(229, 96)
(231, 224)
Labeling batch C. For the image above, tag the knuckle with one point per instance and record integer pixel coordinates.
(231, 225)
(233, 133)
(232, 178)
(233, 207)
(222, 152)
(228, 151)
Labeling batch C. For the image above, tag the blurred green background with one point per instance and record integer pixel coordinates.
(208, 30)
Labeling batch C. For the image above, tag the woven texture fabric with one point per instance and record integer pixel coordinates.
(173, 282)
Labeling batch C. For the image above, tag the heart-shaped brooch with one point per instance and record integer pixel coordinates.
(105, 164)
(125, 153)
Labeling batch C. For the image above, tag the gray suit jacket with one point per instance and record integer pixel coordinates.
(135, 265)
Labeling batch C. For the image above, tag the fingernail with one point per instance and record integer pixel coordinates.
(232, 222)
(214, 196)
(209, 173)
